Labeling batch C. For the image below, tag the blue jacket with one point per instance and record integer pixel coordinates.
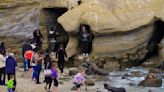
(10, 65)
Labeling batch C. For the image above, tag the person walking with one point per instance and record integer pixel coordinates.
(10, 68)
(60, 55)
(2, 68)
(39, 68)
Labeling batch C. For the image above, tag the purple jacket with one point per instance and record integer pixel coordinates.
(54, 73)
(10, 65)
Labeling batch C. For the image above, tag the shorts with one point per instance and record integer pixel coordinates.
(55, 82)
(77, 85)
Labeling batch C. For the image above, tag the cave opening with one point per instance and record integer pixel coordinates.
(50, 21)
(155, 39)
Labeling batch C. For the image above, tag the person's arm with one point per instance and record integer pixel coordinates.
(41, 35)
(65, 53)
(57, 52)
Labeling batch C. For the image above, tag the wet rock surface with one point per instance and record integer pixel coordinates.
(151, 81)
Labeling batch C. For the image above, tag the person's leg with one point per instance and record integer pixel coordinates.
(38, 69)
(55, 85)
(1, 72)
(59, 65)
(28, 64)
(34, 73)
(62, 66)
(50, 83)
(24, 64)
(78, 90)
(4, 76)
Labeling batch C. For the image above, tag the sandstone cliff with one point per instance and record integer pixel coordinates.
(122, 28)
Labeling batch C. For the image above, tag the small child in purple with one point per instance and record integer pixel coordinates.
(79, 80)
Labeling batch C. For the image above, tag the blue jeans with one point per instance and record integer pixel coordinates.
(24, 64)
(34, 75)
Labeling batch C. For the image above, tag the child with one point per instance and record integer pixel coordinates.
(79, 79)
(54, 76)
(10, 84)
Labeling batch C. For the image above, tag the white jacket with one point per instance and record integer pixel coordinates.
(2, 61)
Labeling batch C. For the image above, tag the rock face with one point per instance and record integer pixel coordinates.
(112, 15)
(122, 29)
(18, 18)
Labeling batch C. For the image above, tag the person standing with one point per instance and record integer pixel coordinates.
(26, 47)
(39, 68)
(52, 39)
(10, 68)
(37, 37)
(60, 55)
(84, 40)
(2, 68)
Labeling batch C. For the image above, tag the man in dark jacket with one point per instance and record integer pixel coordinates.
(10, 68)
(60, 55)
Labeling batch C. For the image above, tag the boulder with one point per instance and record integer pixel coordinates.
(114, 89)
(155, 71)
(151, 81)
(73, 72)
(89, 82)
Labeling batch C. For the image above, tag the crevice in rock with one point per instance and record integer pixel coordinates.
(154, 41)
(51, 16)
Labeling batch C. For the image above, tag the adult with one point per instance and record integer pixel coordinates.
(39, 67)
(2, 68)
(10, 68)
(37, 37)
(60, 55)
(26, 47)
(52, 39)
(84, 39)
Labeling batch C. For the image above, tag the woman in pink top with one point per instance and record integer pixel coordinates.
(79, 79)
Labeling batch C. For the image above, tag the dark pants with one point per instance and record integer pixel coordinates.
(61, 64)
(8, 77)
(28, 64)
(2, 73)
(85, 47)
(48, 82)
(38, 70)
(52, 46)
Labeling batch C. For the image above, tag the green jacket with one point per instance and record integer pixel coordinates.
(10, 84)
